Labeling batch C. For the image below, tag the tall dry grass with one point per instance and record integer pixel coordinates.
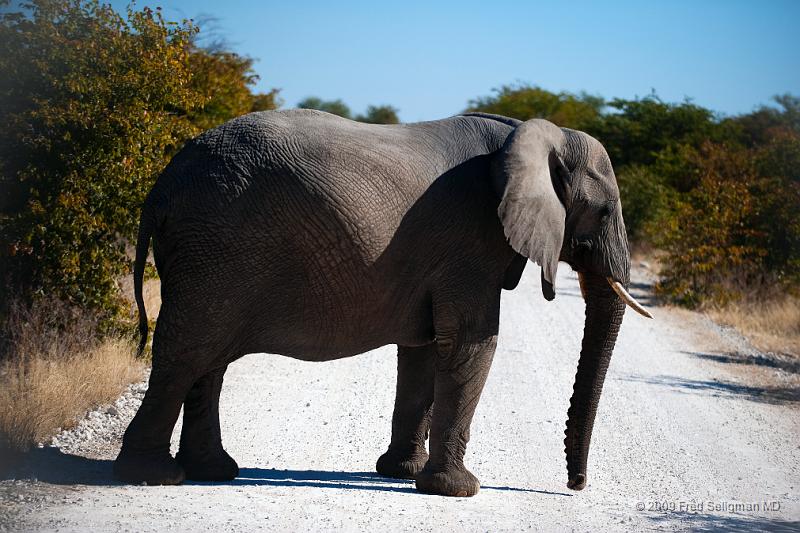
(772, 326)
(54, 369)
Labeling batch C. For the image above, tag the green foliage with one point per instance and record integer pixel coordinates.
(737, 229)
(265, 101)
(380, 114)
(225, 79)
(525, 102)
(720, 196)
(647, 199)
(336, 107)
(712, 248)
(760, 126)
(376, 114)
(93, 106)
(636, 131)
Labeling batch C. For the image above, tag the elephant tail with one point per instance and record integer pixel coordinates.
(146, 223)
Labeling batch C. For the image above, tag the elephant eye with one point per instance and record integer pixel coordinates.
(605, 212)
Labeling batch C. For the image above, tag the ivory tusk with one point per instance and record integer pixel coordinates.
(627, 298)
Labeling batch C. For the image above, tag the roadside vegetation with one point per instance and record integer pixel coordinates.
(95, 103)
(716, 197)
(375, 114)
(56, 368)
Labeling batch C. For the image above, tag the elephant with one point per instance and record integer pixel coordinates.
(312, 236)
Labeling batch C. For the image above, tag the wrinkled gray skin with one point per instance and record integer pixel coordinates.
(312, 236)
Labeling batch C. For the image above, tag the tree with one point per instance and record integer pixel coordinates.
(642, 128)
(336, 107)
(225, 79)
(265, 101)
(525, 102)
(760, 126)
(94, 104)
(381, 114)
(713, 248)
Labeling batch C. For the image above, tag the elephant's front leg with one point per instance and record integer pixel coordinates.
(412, 413)
(460, 375)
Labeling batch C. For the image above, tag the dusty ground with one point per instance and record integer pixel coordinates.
(695, 431)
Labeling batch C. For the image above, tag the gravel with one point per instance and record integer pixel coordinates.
(695, 431)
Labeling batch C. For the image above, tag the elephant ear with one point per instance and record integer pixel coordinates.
(534, 181)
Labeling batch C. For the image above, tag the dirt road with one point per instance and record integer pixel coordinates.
(694, 432)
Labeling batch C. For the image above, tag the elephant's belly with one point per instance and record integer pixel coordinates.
(339, 328)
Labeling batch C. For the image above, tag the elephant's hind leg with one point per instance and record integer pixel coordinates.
(411, 420)
(201, 453)
(145, 457)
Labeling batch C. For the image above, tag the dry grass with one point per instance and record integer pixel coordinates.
(151, 292)
(53, 373)
(772, 326)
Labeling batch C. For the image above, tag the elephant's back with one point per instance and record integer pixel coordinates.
(285, 175)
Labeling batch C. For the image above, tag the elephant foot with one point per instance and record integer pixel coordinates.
(401, 465)
(577, 483)
(448, 481)
(148, 468)
(210, 467)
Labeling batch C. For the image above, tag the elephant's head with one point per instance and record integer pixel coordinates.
(560, 202)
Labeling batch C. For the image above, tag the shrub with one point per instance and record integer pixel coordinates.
(94, 106)
(524, 102)
(379, 114)
(224, 78)
(646, 200)
(715, 247)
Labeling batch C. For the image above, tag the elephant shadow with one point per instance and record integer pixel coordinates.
(345, 480)
(52, 466)
(317, 479)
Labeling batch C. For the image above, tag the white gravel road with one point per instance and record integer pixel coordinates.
(695, 431)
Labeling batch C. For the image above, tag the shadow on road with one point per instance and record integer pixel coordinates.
(722, 389)
(787, 364)
(343, 480)
(725, 523)
(50, 465)
(643, 292)
(318, 479)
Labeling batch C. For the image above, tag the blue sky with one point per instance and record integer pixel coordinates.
(429, 58)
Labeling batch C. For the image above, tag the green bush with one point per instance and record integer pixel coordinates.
(94, 104)
(720, 196)
(713, 250)
(736, 233)
(647, 200)
(637, 131)
(224, 80)
(375, 114)
(336, 107)
(379, 114)
(525, 102)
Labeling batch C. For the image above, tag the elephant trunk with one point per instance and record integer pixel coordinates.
(604, 310)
